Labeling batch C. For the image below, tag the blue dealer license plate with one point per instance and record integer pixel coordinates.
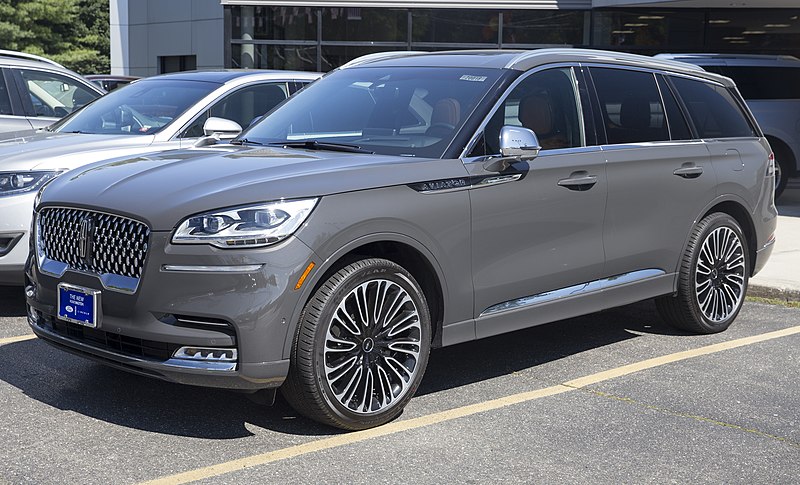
(79, 305)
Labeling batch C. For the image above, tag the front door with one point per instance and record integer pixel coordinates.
(537, 228)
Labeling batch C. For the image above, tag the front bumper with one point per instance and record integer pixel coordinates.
(15, 224)
(190, 304)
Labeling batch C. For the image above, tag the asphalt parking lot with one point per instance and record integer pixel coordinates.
(613, 397)
(508, 409)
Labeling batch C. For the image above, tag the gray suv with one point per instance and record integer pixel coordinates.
(403, 202)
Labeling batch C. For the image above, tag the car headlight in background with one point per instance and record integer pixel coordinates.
(14, 183)
(247, 226)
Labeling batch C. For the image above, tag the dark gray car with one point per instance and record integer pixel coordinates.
(409, 201)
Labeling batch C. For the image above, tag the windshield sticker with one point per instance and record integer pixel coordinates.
(476, 79)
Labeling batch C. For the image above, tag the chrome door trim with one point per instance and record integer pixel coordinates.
(575, 290)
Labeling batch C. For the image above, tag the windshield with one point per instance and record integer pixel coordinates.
(410, 111)
(141, 108)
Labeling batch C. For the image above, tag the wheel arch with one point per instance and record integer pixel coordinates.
(400, 249)
(742, 216)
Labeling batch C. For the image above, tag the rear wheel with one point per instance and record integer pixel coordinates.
(361, 347)
(713, 278)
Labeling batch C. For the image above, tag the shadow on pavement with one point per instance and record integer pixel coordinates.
(12, 301)
(68, 382)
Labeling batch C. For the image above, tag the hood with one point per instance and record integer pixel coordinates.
(164, 188)
(47, 150)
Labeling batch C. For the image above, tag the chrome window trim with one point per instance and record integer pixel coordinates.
(575, 290)
(475, 136)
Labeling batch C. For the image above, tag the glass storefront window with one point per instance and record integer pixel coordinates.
(741, 31)
(275, 56)
(364, 24)
(274, 23)
(457, 26)
(651, 31)
(544, 27)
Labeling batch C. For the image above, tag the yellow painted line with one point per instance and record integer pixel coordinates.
(440, 417)
(20, 338)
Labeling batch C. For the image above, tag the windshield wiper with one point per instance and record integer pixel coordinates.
(324, 145)
(245, 141)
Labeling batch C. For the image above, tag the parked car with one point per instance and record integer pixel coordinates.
(35, 92)
(109, 82)
(157, 113)
(403, 202)
(771, 87)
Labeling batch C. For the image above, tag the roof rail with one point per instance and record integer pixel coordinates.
(690, 55)
(379, 56)
(30, 57)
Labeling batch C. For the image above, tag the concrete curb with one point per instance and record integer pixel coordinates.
(786, 294)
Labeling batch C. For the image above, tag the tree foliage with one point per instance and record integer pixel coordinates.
(74, 33)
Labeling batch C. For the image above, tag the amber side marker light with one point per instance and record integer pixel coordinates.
(304, 275)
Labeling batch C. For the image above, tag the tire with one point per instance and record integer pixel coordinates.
(781, 173)
(783, 170)
(361, 346)
(712, 280)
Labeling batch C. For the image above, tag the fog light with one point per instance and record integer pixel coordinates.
(206, 353)
(30, 291)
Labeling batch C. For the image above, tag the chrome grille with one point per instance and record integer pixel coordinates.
(110, 244)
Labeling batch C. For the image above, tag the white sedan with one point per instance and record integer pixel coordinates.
(153, 114)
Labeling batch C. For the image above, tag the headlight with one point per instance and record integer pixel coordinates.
(13, 183)
(245, 227)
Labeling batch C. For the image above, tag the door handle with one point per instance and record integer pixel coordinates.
(579, 181)
(689, 172)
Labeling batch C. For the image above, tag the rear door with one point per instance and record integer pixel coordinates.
(537, 231)
(659, 173)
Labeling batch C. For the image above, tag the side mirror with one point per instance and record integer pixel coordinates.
(516, 144)
(221, 128)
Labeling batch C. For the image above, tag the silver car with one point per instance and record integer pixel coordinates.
(35, 92)
(157, 113)
(403, 202)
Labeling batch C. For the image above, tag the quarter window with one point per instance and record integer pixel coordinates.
(631, 106)
(243, 106)
(544, 102)
(713, 109)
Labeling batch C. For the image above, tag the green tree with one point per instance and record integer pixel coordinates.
(74, 33)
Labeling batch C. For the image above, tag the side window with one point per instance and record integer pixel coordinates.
(54, 95)
(713, 110)
(5, 99)
(678, 127)
(545, 102)
(242, 106)
(630, 105)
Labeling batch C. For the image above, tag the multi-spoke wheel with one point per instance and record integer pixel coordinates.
(361, 347)
(713, 277)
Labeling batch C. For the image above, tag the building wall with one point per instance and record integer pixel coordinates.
(145, 31)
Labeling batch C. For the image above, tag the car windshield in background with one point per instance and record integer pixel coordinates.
(142, 108)
(390, 111)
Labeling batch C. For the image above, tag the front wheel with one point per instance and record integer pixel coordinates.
(361, 346)
(712, 280)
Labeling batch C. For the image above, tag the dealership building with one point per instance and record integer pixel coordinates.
(153, 36)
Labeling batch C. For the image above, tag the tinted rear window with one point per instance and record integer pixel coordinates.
(763, 82)
(713, 109)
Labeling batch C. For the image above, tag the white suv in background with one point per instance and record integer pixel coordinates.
(771, 87)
